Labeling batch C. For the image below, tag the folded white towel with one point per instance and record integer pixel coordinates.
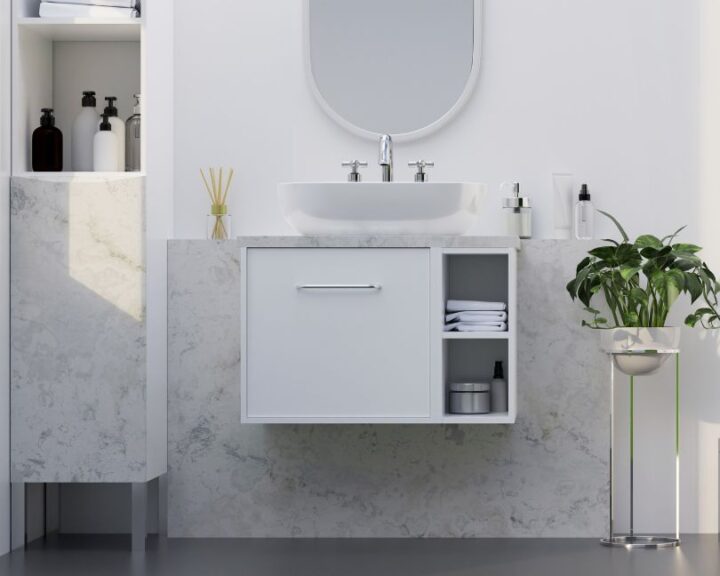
(50, 10)
(115, 3)
(474, 305)
(476, 327)
(476, 317)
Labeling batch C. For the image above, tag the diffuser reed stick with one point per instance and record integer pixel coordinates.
(218, 189)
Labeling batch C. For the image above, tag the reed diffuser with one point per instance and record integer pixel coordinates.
(219, 223)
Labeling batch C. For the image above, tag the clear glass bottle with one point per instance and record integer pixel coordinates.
(132, 139)
(584, 216)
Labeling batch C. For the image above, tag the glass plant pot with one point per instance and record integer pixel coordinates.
(219, 224)
(640, 351)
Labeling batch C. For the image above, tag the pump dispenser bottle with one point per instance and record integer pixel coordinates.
(118, 128)
(105, 148)
(132, 139)
(84, 129)
(584, 215)
(47, 145)
(499, 389)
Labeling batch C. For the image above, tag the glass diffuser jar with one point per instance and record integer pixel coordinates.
(219, 223)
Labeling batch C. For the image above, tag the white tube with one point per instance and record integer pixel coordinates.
(563, 187)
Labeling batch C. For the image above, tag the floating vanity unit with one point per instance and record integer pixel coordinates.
(351, 329)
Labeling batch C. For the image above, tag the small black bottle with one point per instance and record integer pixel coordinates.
(47, 145)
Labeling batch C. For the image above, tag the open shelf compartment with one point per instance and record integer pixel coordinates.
(485, 275)
(56, 60)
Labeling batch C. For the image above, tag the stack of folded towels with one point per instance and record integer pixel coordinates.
(89, 9)
(476, 316)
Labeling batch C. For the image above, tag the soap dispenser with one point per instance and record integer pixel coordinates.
(118, 128)
(105, 147)
(83, 132)
(518, 213)
(47, 145)
(132, 139)
(584, 215)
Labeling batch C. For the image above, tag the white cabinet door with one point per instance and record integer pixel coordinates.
(337, 334)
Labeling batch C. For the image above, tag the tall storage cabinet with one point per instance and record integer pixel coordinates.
(88, 262)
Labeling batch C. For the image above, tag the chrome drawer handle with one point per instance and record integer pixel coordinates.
(339, 287)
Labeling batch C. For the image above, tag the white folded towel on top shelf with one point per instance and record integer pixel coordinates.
(114, 3)
(477, 316)
(475, 306)
(53, 10)
(476, 327)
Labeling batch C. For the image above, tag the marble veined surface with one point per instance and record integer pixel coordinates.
(379, 241)
(78, 330)
(544, 476)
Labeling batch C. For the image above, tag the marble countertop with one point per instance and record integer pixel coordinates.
(376, 241)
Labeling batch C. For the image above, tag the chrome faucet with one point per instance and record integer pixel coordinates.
(386, 157)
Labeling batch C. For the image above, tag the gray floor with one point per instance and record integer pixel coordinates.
(108, 556)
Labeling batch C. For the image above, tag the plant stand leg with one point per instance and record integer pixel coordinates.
(632, 456)
(677, 448)
(612, 443)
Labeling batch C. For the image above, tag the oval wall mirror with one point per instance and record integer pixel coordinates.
(400, 67)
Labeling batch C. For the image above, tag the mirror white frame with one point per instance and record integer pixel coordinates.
(406, 136)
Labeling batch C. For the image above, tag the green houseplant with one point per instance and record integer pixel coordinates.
(640, 281)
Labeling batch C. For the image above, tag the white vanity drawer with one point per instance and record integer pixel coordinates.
(337, 334)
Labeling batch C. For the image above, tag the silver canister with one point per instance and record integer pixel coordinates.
(518, 214)
(470, 398)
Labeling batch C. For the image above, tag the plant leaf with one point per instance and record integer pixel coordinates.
(572, 290)
(624, 235)
(674, 285)
(628, 272)
(605, 253)
(693, 286)
(584, 262)
(687, 248)
(648, 241)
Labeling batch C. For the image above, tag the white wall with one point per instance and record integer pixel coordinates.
(610, 91)
(605, 90)
(4, 276)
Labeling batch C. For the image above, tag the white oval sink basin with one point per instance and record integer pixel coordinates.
(381, 207)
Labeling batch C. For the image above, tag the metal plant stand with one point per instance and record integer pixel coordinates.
(633, 540)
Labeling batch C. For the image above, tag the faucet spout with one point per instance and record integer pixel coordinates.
(385, 158)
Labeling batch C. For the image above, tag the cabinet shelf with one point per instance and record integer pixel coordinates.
(476, 335)
(84, 30)
(492, 418)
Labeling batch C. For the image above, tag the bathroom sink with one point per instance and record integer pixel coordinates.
(381, 207)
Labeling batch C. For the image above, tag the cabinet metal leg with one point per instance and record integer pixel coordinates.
(17, 513)
(139, 516)
(163, 506)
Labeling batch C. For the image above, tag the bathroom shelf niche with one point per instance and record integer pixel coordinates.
(486, 275)
(56, 60)
(473, 361)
